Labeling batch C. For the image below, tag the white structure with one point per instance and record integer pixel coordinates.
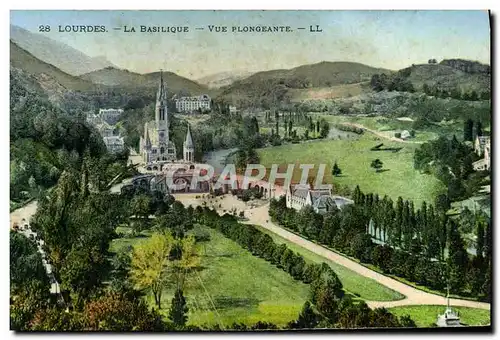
(450, 318)
(110, 116)
(189, 147)
(155, 146)
(114, 144)
(405, 134)
(105, 129)
(232, 109)
(480, 143)
(484, 149)
(93, 119)
(191, 104)
(322, 200)
(104, 123)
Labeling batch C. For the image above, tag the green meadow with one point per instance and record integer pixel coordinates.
(397, 178)
(232, 285)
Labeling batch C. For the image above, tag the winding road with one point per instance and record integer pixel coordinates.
(414, 296)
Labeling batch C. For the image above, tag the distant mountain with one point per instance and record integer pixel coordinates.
(47, 75)
(221, 79)
(266, 88)
(112, 76)
(62, 56)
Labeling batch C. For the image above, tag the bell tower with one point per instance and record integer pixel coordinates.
(161, 112)
(189, 147)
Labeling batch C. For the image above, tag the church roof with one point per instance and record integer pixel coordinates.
(189, 140)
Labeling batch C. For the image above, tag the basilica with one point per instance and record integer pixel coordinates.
(156, 148)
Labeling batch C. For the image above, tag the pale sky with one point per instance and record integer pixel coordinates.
(388, 39)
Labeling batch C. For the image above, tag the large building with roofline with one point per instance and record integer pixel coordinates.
(299, 196)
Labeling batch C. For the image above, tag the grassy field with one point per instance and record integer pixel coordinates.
(426, 315)
(359, 286)
(354, 158)
(234, 286)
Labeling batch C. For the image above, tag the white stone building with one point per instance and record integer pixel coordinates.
(110, 116)
(483, 148)
(322, 200)
(191, 104)
(114, 144)
(155, 146)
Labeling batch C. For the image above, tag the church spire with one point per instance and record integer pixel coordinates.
(147, 140)
(189, 140)
(161, 95)
(189, 147)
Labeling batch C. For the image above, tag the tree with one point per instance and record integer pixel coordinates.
(326, 291)
(307, 317)
(178, 310)
(407, 322)
(150, 263)
(377, 164)
(361, 247)
(82, 271)
(116, 312)
(56, 319)
(457, 257)
(187, 260)
(140, 208)
(442, 203)
(336, 171)
(324, 129)
(479, 128)
(468, 128)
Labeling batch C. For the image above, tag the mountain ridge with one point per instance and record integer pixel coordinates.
(61, 55)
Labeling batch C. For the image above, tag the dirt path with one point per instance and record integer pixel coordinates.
(414, 296)
(381, 135)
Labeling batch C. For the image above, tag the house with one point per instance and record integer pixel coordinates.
(405, 134)
(322, 200)
(114, 144)
(110, 116)
(191, 104)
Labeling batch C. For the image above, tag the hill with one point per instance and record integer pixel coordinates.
(111, 76)
(467, 66)
(221, 79)
(447, 77)
(48, 76)
(452, 77)
(53, 52)
(270, 87)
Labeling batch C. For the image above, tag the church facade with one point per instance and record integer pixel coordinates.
(155, 145)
